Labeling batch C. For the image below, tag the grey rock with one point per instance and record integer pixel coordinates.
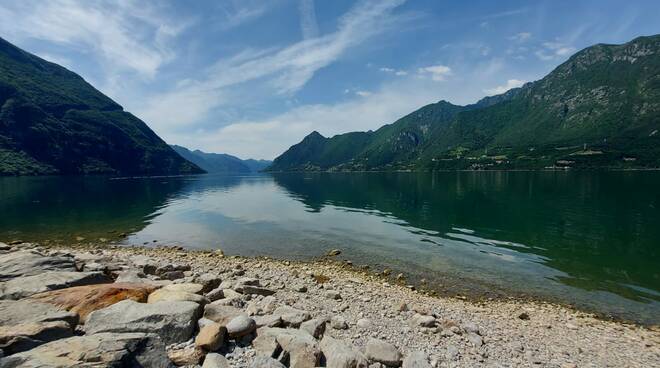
(99, 350)
(202, 322)
(240, 326)
(215, 360)
(452, 353)
(383, 352)
(340, 355)
(292, 317)
(475, 339)
(30, 263)
(25, 336)
(208, 281)
(164, 295)
(221, 314)
(185, 287)
(173, 321)
(24, 286)
(298, 347)
(333, 295)
(315, 327)
(13, 312)
(470, 327)
(254, 290)
(261, 361)
(132, 276)
(416, 359)
(423, 321)
(364, 323)
(338, 323)
(215, 294)
(268, 321)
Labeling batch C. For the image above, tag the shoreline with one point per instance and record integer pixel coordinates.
(362, 306)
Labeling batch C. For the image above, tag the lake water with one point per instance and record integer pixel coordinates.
(588, 239)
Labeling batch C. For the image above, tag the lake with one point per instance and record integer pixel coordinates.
(589, 239)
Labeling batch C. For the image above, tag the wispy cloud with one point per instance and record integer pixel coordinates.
(398, 73)
(521, 37)
(238, 13)
(554, 50)
(124, 35)
(511, 83)
(437, 72)
(308, 24)
(282, 71)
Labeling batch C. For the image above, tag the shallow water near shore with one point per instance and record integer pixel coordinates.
(589, 239)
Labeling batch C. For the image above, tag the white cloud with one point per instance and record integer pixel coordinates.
(387, 70)
(521, 37)
(124, 35)
(511, 83)
(401, 73)
(308, 24)
(554, 50)
(437, 72)
(278, 71)
(396, 72)
(363, 93)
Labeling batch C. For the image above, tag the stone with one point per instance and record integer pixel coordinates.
(203, 322)
(215, 294)
(334, 252)
(174, 322)
(14, 312)
(215, 360)
(416, 359)
(266, 362)
(402, 307)
(364, 323)
(524, 316)
(221, 314)
(423, 321)
(132, 276)
(30, 263)
(268, 321)
(340, 355)
(266, 342)
(300, 348)
(208, 281)
(25, 286)
(164, 295)
(475, 339)
(292, 317)
(83, 300)
(185, 287)
(99, 350)
(451, 353)
(383, 352)
(333, 295)
(211, 337)
(315, 327)
(25, 336)
(338, 323)
(186, 357)
(240, 326)
(470, 327)
(254, 290)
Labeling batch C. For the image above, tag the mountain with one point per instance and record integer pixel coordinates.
(220, 162)
(53, 122)
(599, 109)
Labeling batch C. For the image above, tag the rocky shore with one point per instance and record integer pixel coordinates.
(112, 306)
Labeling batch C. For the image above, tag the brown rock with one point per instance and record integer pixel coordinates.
(83, 300)
(211, 337)
(187, 356)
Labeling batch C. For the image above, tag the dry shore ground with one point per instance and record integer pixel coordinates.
(361, 307)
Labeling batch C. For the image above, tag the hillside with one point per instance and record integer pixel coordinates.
(599, 109)
(53, 122)
(220, 162)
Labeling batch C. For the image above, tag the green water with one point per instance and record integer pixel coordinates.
(587, 239)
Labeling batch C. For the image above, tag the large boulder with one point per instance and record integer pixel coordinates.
(221, 314)
(292, 317)
(240, 326)
(174, 322)
(340, 355)
(99, 350)
(164, 295)
(25, 325)
(83, 300)
(297, 347)
(29, 263)
(24, 286)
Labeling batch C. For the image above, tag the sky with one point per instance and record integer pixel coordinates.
(253, 77)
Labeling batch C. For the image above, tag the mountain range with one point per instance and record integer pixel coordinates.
(53, 122)
(599, 109)
(220, 162)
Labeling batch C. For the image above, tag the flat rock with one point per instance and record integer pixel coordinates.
(254, 290)
(240, 326)
(292, 317)
(24, 286)
(99, 350)
(261, 361)
(300, 347)
(25, 336)
(268, 321)
(416, 359)
(215, 360)
(340, 355)
(383, 352)
(221, 314)
(164, 295)
(185, 287)
(315, 327)
(14, 312)
(83, 300)
(30, 263)
(174, 322)
(211, 337)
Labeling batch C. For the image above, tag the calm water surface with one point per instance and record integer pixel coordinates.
(588, 239)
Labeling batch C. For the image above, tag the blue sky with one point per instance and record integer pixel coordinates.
(253, 77)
